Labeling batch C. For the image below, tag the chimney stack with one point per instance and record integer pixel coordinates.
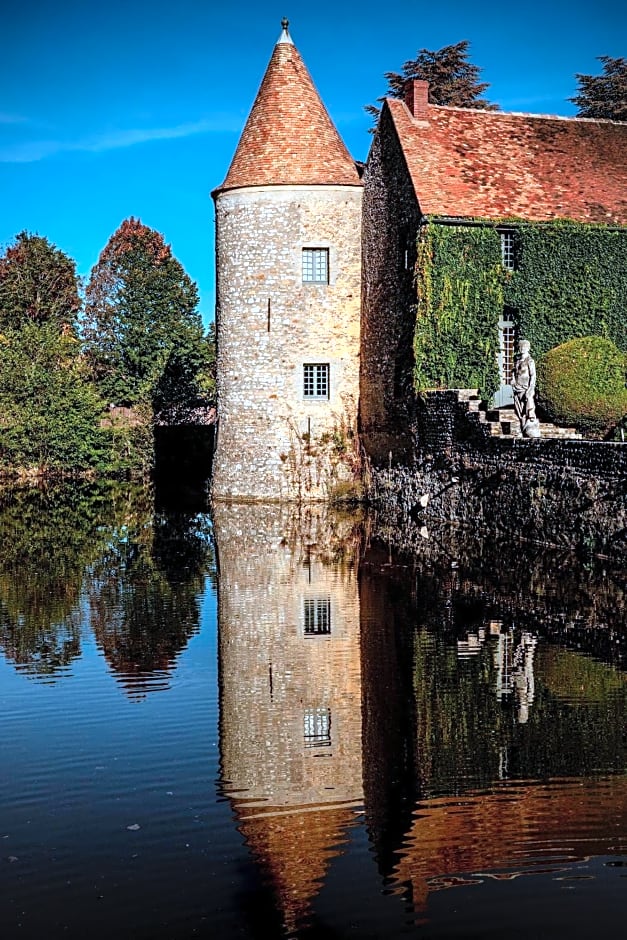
(417, 98)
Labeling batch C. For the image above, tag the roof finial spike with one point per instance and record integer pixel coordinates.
(285, 36)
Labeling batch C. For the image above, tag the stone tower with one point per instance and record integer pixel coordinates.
(288, 271)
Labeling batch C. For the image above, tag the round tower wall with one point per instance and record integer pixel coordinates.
(274, 441)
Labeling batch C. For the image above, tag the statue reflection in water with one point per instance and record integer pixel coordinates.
(513, 663)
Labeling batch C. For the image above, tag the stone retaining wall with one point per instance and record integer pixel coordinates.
(566, 493)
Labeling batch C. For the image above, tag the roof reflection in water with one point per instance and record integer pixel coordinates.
(476, 740)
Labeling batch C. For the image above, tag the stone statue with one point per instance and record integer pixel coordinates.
(524, 387)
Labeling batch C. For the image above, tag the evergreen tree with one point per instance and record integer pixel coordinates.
(141, 320)
(38, 284)
(604, 96)
(453, 80)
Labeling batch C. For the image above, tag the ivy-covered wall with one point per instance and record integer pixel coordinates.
(459, 281)
(570, 280)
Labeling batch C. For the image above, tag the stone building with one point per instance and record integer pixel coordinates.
(288, 256)
(317, 288)
(461, 167)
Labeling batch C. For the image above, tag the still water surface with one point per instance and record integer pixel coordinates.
(266, 723)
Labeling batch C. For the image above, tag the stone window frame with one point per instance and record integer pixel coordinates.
(315, 265)
(316, 381)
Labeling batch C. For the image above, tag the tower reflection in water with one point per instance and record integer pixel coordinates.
(290, 689)
(479, 749)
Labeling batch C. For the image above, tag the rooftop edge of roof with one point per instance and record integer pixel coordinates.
(500, 113)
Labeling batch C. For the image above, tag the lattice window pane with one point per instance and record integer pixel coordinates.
(507, 250)
(316, 380)
(317, 611)
(317, 727)
(508, 350)
(316, 265)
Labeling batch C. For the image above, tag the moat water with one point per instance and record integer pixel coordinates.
(260, 722)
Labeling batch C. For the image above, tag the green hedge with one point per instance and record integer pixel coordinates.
(582, 382)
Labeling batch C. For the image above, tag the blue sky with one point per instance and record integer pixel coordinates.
(128, 108)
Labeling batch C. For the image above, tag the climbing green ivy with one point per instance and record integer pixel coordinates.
(570, 281)
(459, 302)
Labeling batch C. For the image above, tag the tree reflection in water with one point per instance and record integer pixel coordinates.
(390, 725)
(100, 549)
(48, 538)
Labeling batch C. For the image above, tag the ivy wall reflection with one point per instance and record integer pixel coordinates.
(492, 715)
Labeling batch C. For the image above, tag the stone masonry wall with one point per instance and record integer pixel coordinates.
(390, 221)
(271, 442)
(571, 494)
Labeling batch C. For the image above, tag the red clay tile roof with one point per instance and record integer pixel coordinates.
(491, 164)
(289, 137)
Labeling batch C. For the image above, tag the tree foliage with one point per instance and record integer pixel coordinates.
(604, 96)
(141, 320)
(38, 284)
(188, 377)
(453, 80)
(49, 412)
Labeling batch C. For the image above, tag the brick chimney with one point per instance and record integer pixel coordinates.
(417, 98)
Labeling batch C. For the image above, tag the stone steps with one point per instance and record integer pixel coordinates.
(502, 422)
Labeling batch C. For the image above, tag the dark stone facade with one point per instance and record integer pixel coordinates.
(390, 219)
(570, 494)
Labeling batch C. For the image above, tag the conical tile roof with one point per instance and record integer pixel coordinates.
(289, 138)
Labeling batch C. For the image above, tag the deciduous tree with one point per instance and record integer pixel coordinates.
(49, 411)
(453, 80)
(604, 96)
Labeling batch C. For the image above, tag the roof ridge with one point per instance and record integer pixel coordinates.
(527, 114)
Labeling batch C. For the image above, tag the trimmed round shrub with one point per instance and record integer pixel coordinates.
(582, 383)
